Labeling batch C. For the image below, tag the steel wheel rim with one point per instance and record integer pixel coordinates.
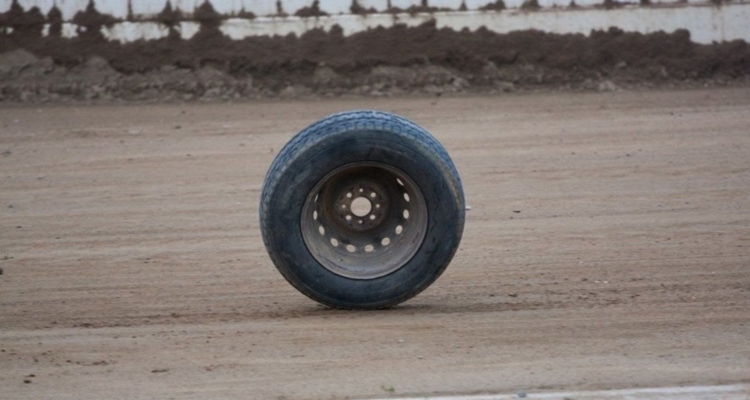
(364, 220)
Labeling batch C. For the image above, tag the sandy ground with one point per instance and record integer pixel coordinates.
(608, 246)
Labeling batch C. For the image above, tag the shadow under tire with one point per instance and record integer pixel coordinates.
(362, 210)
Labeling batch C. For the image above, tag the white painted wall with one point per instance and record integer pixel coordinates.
(147, 8)
(69, 8)
(44, 5)
(144, 9)
(707, 23)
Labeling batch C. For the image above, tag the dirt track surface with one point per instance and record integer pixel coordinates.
(607, 246)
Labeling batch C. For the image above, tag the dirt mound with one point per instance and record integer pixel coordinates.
(16, 60)
(380, 61)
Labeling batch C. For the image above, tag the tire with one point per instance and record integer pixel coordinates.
(362, 210)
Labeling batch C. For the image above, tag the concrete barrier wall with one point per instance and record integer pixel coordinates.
(707, 20)
(145, 9)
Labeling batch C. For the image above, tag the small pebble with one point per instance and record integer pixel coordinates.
(468, 207)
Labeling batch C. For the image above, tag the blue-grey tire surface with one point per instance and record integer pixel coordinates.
(361, 137)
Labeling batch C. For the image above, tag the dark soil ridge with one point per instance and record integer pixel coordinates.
(380, 61)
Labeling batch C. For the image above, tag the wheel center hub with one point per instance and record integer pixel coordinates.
(362, 205)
